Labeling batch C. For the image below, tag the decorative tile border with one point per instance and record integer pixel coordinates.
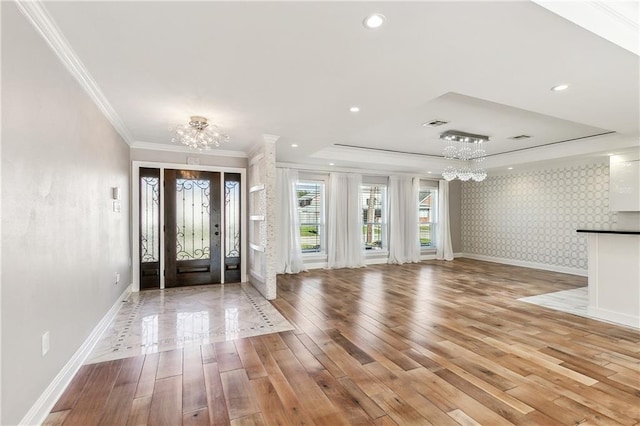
(124, 337)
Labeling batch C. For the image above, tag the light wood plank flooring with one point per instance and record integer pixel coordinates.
(442, 343)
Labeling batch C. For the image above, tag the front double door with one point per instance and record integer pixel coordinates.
(198, 210)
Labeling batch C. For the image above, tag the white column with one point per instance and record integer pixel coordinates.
(262, 220)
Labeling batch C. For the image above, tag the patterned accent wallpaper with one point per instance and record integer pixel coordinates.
(532, 216)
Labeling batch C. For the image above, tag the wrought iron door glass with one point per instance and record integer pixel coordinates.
(232, 227)
(192, 219)
(232, 218)
(149, 219)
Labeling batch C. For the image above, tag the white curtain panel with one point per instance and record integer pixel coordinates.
(443, 241)
(289, 252)
(404, 230)
(344, 221)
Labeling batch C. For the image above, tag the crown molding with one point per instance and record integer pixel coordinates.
(575, 150)
(39, 17)
(615, 13)
(384, 159)
(587, 149)
(186, 150)
(270, 138)
(267, 139)
(616, 22)
(304, 167)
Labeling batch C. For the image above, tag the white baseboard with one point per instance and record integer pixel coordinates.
(376, 260)
(315, 265)
(432, 256)
(615, 317)
(370, 261)
(323, 265)
(40, 410)
(525, 264)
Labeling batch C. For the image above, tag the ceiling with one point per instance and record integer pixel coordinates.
(293, 69)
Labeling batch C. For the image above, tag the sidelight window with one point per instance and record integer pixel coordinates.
(149, 218)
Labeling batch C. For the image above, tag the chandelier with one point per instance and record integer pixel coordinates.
(468, 148)
(199, 134)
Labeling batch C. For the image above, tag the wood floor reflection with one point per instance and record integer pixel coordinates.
(440, 343)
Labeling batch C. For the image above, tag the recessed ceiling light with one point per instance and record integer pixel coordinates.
(509, 168)
(332, 164)
(354, 109)
(294, 145)
(560, 87)
(429, 172)
(373, 21)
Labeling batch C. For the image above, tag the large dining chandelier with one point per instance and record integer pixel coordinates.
(469, 149)
(199, 134)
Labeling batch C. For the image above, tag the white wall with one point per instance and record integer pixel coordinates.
(61, 242)
(624, 173)
(532, 216)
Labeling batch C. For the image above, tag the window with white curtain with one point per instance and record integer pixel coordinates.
(310, 196)
(428, 211)
(373, 199)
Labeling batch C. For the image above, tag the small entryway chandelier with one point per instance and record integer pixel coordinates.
(466, 147)
(199, 134)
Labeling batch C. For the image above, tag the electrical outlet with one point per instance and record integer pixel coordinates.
(117, 278)
(45, 343)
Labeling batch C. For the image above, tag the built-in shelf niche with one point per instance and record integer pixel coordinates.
(261, 205)
(257, 220)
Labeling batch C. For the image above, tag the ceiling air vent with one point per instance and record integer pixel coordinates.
(434, 123)
(520, 137)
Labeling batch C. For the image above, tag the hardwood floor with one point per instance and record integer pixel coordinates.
(442, 343)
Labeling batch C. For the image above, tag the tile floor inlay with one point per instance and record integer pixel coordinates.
(574, 301)
(160, 320)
